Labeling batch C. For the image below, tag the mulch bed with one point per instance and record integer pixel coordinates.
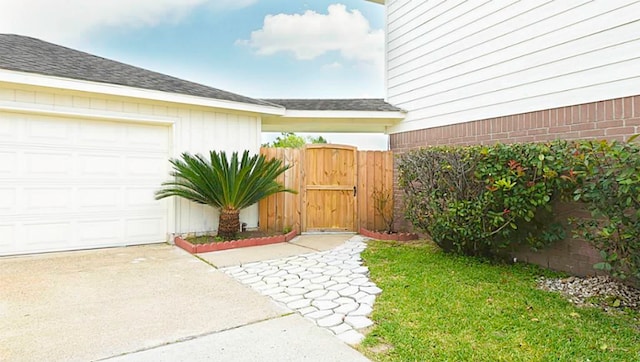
(252, 238)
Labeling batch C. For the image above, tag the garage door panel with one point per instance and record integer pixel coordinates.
(99, 231)
(100, 198)
(46, 235)
(100, 133)
(94, 165)
(42, 130)
(7, 200)
(47, 164)
(146, 166)
(8, 128)
(7, 237)
(141, 197)
(48, 199)
(147, 136)
(72, 184)
(144, 228)
(8, 163)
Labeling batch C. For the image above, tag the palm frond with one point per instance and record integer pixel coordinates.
(222, 183)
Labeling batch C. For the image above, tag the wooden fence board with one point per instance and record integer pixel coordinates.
(374, 173)
(363, 201)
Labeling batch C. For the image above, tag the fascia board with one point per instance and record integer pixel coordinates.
(124, 91)
(344, 114)
(82, 113)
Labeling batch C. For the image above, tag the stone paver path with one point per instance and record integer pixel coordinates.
(331, 288)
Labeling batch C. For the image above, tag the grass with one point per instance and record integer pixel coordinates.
(441, 307)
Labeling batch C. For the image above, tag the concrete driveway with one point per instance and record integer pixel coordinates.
(98, 304)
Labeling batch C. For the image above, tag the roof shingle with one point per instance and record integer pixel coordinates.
(30, 55)
(359, 104)
(25, 54)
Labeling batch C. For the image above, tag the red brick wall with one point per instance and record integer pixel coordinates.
(614, 119)
(574, 256)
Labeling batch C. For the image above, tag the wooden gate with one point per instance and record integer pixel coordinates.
(330, 188)
(325, 176)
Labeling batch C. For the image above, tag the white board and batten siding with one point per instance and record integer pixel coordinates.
(72, 182)
(200, 131)
(452, 61)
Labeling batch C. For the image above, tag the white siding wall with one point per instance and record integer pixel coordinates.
(195, 129)
(452, 61)
(200, 131)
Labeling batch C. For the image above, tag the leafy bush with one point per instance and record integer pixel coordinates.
(610, 186)
(477, 200)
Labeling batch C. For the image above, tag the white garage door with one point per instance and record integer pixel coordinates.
(74, 184)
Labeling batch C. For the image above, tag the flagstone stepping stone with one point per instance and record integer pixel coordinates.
(298, 304)
(358, 322)
(350, 290)
(331, 320)
(351, 337)
(341, 328)
(324, 304)
(332, 288)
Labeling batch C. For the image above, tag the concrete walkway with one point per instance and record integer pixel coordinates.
(88, 305)
(157, 302)
(285, 339)
(286, 272)
(302, 244)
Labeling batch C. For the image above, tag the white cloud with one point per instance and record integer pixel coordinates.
(310, 35)
(63, 20)
(332, 66)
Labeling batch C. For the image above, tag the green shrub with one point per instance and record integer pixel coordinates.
(477, 200)
(610, 186)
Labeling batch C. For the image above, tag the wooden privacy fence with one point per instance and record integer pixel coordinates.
(339, 189)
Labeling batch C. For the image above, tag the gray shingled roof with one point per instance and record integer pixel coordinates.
(364, 104)
(25, 54)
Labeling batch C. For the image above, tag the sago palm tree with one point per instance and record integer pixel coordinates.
(227, 186)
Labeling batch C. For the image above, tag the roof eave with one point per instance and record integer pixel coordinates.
(40, 80)
(292, 113)
(332, 121)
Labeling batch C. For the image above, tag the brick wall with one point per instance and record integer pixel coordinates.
(614, 119)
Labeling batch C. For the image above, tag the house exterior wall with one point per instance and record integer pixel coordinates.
(202, 130)
(481, 72)
(457, 61)
(612, 119)
(193, 129)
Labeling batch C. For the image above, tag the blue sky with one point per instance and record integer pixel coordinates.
(213, 46)
(258, 48)
(210, 41)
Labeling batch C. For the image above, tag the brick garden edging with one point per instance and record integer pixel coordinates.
(386, 236)
(233, 244)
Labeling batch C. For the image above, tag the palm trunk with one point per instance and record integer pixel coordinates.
(228, 223)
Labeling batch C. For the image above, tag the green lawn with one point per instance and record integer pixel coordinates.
(440, 307)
